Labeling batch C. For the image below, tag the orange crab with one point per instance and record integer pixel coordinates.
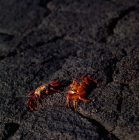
(54, 86)
(78, 88)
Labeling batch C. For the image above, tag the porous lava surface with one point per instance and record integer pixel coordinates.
(43, 40)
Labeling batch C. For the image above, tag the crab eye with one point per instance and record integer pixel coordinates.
(73, 92)
(46, 87)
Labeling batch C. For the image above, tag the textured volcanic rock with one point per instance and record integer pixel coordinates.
(57, 123)
(84, 23)
(20, 16)
(61, 39)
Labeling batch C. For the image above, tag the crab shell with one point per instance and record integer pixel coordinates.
(78, 89)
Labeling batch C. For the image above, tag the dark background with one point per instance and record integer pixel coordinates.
(43, 40)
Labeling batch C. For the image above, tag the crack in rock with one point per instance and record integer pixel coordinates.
(43, 3)
(114, 21)
(10, 129)
(119, 105)
(103, 133)
(15, 52)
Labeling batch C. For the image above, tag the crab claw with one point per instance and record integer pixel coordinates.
(32, 102)
(87, 79)
(58, 83)
(56, 86)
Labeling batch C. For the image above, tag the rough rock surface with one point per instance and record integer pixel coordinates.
(43, 40)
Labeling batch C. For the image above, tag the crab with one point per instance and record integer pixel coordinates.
(53, 86)
(78, 88)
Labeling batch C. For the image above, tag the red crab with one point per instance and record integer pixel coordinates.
(78, 88)
(54, 86)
